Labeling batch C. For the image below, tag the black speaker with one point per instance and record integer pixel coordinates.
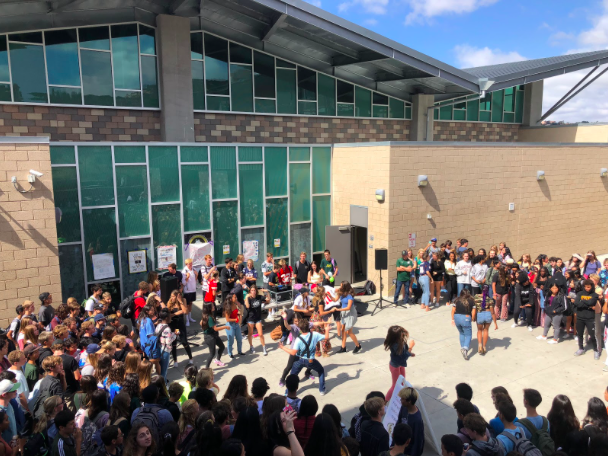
(167, 285)
(381, 259)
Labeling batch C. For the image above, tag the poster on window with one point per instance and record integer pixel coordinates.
(103, 266)
(250, 250)
(226, 250)
(197, 252)
(137, 261)
(166, 255)
(277, 243)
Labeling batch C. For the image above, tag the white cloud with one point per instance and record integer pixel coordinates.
(558, 38)
(368, 6)
(427, 9)
(371, 21)
(470, 56)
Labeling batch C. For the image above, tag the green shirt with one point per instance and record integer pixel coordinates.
(404, 276)
(31, 375)
(327, 266)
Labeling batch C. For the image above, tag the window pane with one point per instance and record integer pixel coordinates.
(321, 217)
(300, 241)
(299, 191)
(485, 103)
(308, 108)
(251, 194)
(67, 211)
(240, 54)
(27, 67)
(509, 100)
(445, 113)
(225, 230)
(509, 117)
(380, 99)
(275, 162)
(125, 57)
(256, 234)
(167, 229)
(497, 106)
(408, 112)
(71, 271)
(473, 110)
(307, 84)
(62, 57)
(241, 88)
(63, 155)
(164, 174)
(31, 37)
(485, 116)
(265, 106)
(130, 282)
(519, 106)
(436, 114)
(195, 194)
(216, 69)
(132, 196)
(193, 154)
(250, 154)
(146, 40)
(218, 103)
(460, 114)
(95, 38)
(286, 92)
(277, 226)
(97, 78)
(198, 84)
(284, 64)
(263, 65)
(380, 111)
(346, 110)
(149, 81)
(129, 154)
(223, 172)
(65, 95)
(346, 92)
(99, 237)
(299, 153)
(321, 169)
(396, 109)
(96, 177)
(4, 72)
(327, 95)
(196, 45)
(124, 98)
(363, 102)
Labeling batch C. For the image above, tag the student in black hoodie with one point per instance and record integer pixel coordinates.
(374, 438)
(525, 300)
(584, 306)
(555, 306)
(355, 423)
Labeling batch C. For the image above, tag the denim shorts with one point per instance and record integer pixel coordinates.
(484, 317)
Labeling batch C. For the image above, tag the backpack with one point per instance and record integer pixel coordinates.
(333, 263)
(91, 433)
(540, 437)
(127, 307)
(522, 445)
(148, 415)
(37, 445)
(370, 288)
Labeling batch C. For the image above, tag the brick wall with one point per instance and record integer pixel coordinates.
(474, 131)
(289, 129)
(79, 124)
(29, 262)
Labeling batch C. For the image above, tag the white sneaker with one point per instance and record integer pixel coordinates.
(576, 338)
(251, 350)
(190, 362)
(187, 322)
(265, 352)
(552, 341)
(530, 328)
(175, 364)
(191, 319)
(541, 337)
(514, 325)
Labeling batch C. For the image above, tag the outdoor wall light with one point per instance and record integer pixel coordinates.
(603, 172)
(380, 195)
(540, 175)
(31, 178)
(423, 180)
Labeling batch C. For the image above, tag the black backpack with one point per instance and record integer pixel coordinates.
(127, 307)
(149, 416)
(37, 445)
(369, 288)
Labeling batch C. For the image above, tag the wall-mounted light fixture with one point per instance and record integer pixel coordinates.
(31, 178)
(423, 180)
(540, 175)
(380, 195)
(603, 172)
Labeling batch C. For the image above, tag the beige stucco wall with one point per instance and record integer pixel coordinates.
(587, 133)
(470, 188)
(29, 264)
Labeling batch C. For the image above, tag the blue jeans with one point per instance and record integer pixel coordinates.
(426, 289)
(490, 292)
(398, 286)
(164, 363)
(303, 363)
(463, 286)
(463, 323)
(232, 333)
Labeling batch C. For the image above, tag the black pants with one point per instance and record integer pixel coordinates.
(211, 340)
(527, 311)
(179, 323)
(292, 359)
(451, 285)
(581, 324)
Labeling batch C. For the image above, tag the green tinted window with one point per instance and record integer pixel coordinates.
(299, 192)
(241, 88)
(509, 117)
(167, 229)
(132, 196)
(95, 38)
(436, 114)
(408, 112)
(250, 154)
(96, 177)
(510, 99)
(396, 109)
(380, 111)
(125, 56)
(65, 95)
(225, 230)
(27, 68)
(62, 155)
(299, 153)
(149, 81)
(275, 162)
(363, 102)
(129, 154)
(445, 113)
(196, 45)
(519, 106)
(164, 174)
(255, 234)
(198, 84)
(286, 92)
(130, 282)
(67, 217)
(460, 111)
(61, 47)
(307, 84)
(321, 217)
(128, 98)
(300, 240)
(218, 103)
(346, 110)
(97, 78)
(346, 92)
(99, 238)
(193, 154)
(321, 169)
(380, 99)
(216, 68)
(4, 72)
(251, 194)
(146, 40)
(308, 108)
(240, 54)
(473, 110)
(327, 95)
(195, 194)
(27, 37)
(71, 271)
(223, 172)
(485, 116)
(497, 104)
(265, 106)
(486, 102)
(277, 226)
(263, 65)
(284, 64)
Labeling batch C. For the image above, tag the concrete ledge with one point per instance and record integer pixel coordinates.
(25, 139)
(467, 144)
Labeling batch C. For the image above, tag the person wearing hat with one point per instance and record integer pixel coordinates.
(432, 247)
(46, 311)
(254, 302)
(32, 374)
(405, 266)
(100, 324)
(8, 391)
(259, 388)
(574, 264)
(88, 368)
(302, 303)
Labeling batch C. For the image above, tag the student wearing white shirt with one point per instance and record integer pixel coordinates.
(93, 300)
(302, 304)
(463, 273)
(189, 282)
(478, 275)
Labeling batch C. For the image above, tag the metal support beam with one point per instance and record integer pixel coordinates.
(274, 27)
(362, 57)
(175, 4)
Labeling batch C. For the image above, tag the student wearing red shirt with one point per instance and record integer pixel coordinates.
(140, 302)
(211, 292)
(285, 274)
(231, 313)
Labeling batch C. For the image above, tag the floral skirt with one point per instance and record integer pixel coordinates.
(324, 347)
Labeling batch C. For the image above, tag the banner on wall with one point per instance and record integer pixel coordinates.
(250, 250)
(137, 261)
(166, 255)
(103, 266)
(197, 252)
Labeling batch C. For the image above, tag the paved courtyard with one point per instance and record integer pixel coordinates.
(515, 360)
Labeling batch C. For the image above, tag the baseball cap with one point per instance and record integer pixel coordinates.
(29, 349)
(92, 348)
(99, 307)
(434, 239)
(304, 290)
(99, 317)
(576, 255)
(6, 386)
(403, 252)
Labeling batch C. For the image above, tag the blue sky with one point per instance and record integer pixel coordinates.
(467, 33)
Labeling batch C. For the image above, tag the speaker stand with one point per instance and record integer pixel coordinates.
(380, 301)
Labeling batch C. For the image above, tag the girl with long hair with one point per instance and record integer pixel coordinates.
(168, 444)
(591, 264)
(500, 288)
(397, 342)
(332, 410)
(108, 348)
(108, 333)
(303, 424)
(324, 439)
(483, 314)
(208, 435)
(166, 338)
(281, 435)
(88, 385)
(461, 318)
(120, 412)
(451, 283)
(187, 421)
(104, 364)
(349, 315)
(52, 406)
(90, 365)
(562, 420)
(273, 403)
(211, 336)
(425, 280)
(146, 330)
(132, 362)
(525, 262)
(233, 318)
(95, 412)
(320, 321)
(31, 335)
(178, 307)
(597, 415)
(116, 378)
(140, 441)
(315, 275)
(437, 266)
(237, 387)
(144, 373)
(25, 322)
(254, 302)
(131, 387)
(189, 384)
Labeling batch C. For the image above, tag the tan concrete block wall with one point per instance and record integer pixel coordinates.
(586, 133)
(29, 262)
